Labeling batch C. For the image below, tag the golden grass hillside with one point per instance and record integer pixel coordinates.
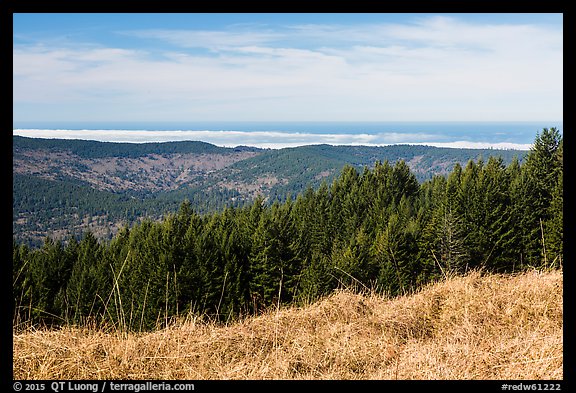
(472, 327)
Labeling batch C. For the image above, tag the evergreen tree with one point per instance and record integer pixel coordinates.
(446, 226)
(403, 182)
(272, 259)
(354, 265)
(21, 282)
(532, 194)
(543, 166)
(378, 229)
(554, 225)
(317, 278)
(89, 283)
(394, 251)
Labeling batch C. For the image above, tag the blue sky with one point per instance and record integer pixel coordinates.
(287, 67)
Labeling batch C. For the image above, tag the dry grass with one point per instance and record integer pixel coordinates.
(472, 327)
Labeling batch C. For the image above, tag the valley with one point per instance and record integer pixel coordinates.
(62, 188)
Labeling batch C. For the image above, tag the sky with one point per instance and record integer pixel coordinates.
(287, 67)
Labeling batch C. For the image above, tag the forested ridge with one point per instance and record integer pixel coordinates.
(63, 187)
(376, 228)
(96, 149)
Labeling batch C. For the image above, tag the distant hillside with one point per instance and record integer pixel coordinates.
(95, 149)
(67, 186)
(291, 170)
(496, 327)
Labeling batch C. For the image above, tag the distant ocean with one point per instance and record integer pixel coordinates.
(271, 133)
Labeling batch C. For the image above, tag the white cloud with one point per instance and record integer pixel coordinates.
(211, 39)
(435, 68)
(262, 139)
(480, 145)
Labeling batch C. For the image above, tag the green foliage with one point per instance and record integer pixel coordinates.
(56, 201)
(372, 229)
(95, 149)
(536, 193)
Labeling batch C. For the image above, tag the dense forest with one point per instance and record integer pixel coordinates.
(96, 149)
(377, 228)
(42, 206)
(62, 188)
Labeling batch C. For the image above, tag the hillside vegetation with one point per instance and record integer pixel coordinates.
(377, 276)
(379, 228)
(63, 187)
(472, 327)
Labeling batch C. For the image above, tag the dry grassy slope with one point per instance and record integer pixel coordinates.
(152, 172)
(473, 327)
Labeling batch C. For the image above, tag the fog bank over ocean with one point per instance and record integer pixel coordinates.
(497, 135)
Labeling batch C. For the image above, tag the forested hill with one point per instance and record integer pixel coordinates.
(305, 165)
(95, 149)
(63, 187)
(373, 228)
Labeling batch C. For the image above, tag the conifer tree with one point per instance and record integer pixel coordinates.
(90, 281)
(354, 265)
(394, 251)
(553, 227)
(377, 229)
(532, 195)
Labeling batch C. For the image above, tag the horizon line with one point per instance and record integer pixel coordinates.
(268, 139)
